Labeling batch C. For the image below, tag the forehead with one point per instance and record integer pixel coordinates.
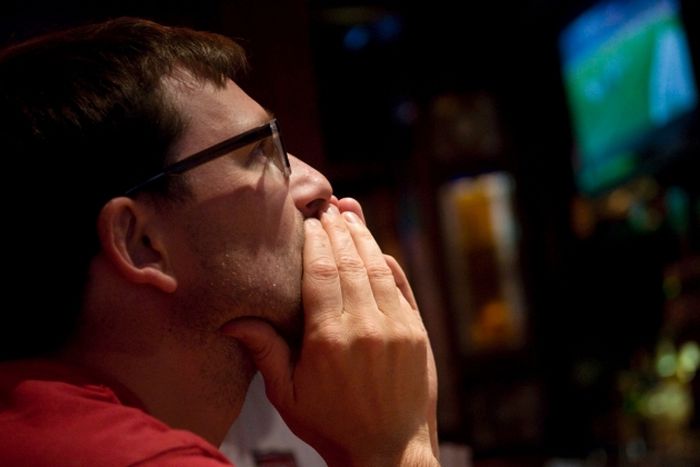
(211, 113)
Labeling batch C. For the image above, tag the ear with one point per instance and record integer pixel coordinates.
(132, 242)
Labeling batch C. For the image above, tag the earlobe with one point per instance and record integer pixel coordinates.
(131, 243)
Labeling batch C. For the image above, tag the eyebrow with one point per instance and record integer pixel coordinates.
(258, 122)
(270, 115)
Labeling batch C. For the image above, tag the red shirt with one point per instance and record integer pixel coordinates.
(54, 415)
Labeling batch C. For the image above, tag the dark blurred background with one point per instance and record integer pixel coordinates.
(563, 311)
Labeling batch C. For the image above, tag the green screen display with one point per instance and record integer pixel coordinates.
(627, 72)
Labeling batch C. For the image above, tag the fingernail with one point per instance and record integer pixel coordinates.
(332, 210)
(351, 217)
(312, 223)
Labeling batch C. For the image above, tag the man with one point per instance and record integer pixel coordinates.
(172, 248)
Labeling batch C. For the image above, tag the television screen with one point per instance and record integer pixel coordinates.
(628, 74)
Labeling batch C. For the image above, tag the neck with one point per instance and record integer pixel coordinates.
(194, 380)
(175, 386)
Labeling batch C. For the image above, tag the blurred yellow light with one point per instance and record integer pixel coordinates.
(666, 361)
(671, 401)
(689, 357)
(666, 365)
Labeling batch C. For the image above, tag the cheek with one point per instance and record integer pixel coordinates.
(243, 210)
(275, 215)
(256, 219)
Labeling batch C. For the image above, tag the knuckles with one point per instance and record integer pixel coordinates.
(321, 268)
(379, 271)
(350, 264)
(367, 335)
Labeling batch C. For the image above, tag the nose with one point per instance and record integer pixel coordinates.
(310, 190)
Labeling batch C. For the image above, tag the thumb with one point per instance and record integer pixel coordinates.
(269, 351)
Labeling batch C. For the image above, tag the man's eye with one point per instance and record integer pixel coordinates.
(262, 151)
(257, 153)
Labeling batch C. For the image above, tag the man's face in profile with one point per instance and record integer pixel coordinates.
(240, 235)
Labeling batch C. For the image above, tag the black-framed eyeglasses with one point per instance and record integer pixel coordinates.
(270, 130)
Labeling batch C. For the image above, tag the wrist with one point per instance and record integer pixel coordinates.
(417, 453)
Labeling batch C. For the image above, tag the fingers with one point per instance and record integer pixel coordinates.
(356, 289)
(380, 275)
(401, 281)
(350, 204)
(269, 352)
(321, 289)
